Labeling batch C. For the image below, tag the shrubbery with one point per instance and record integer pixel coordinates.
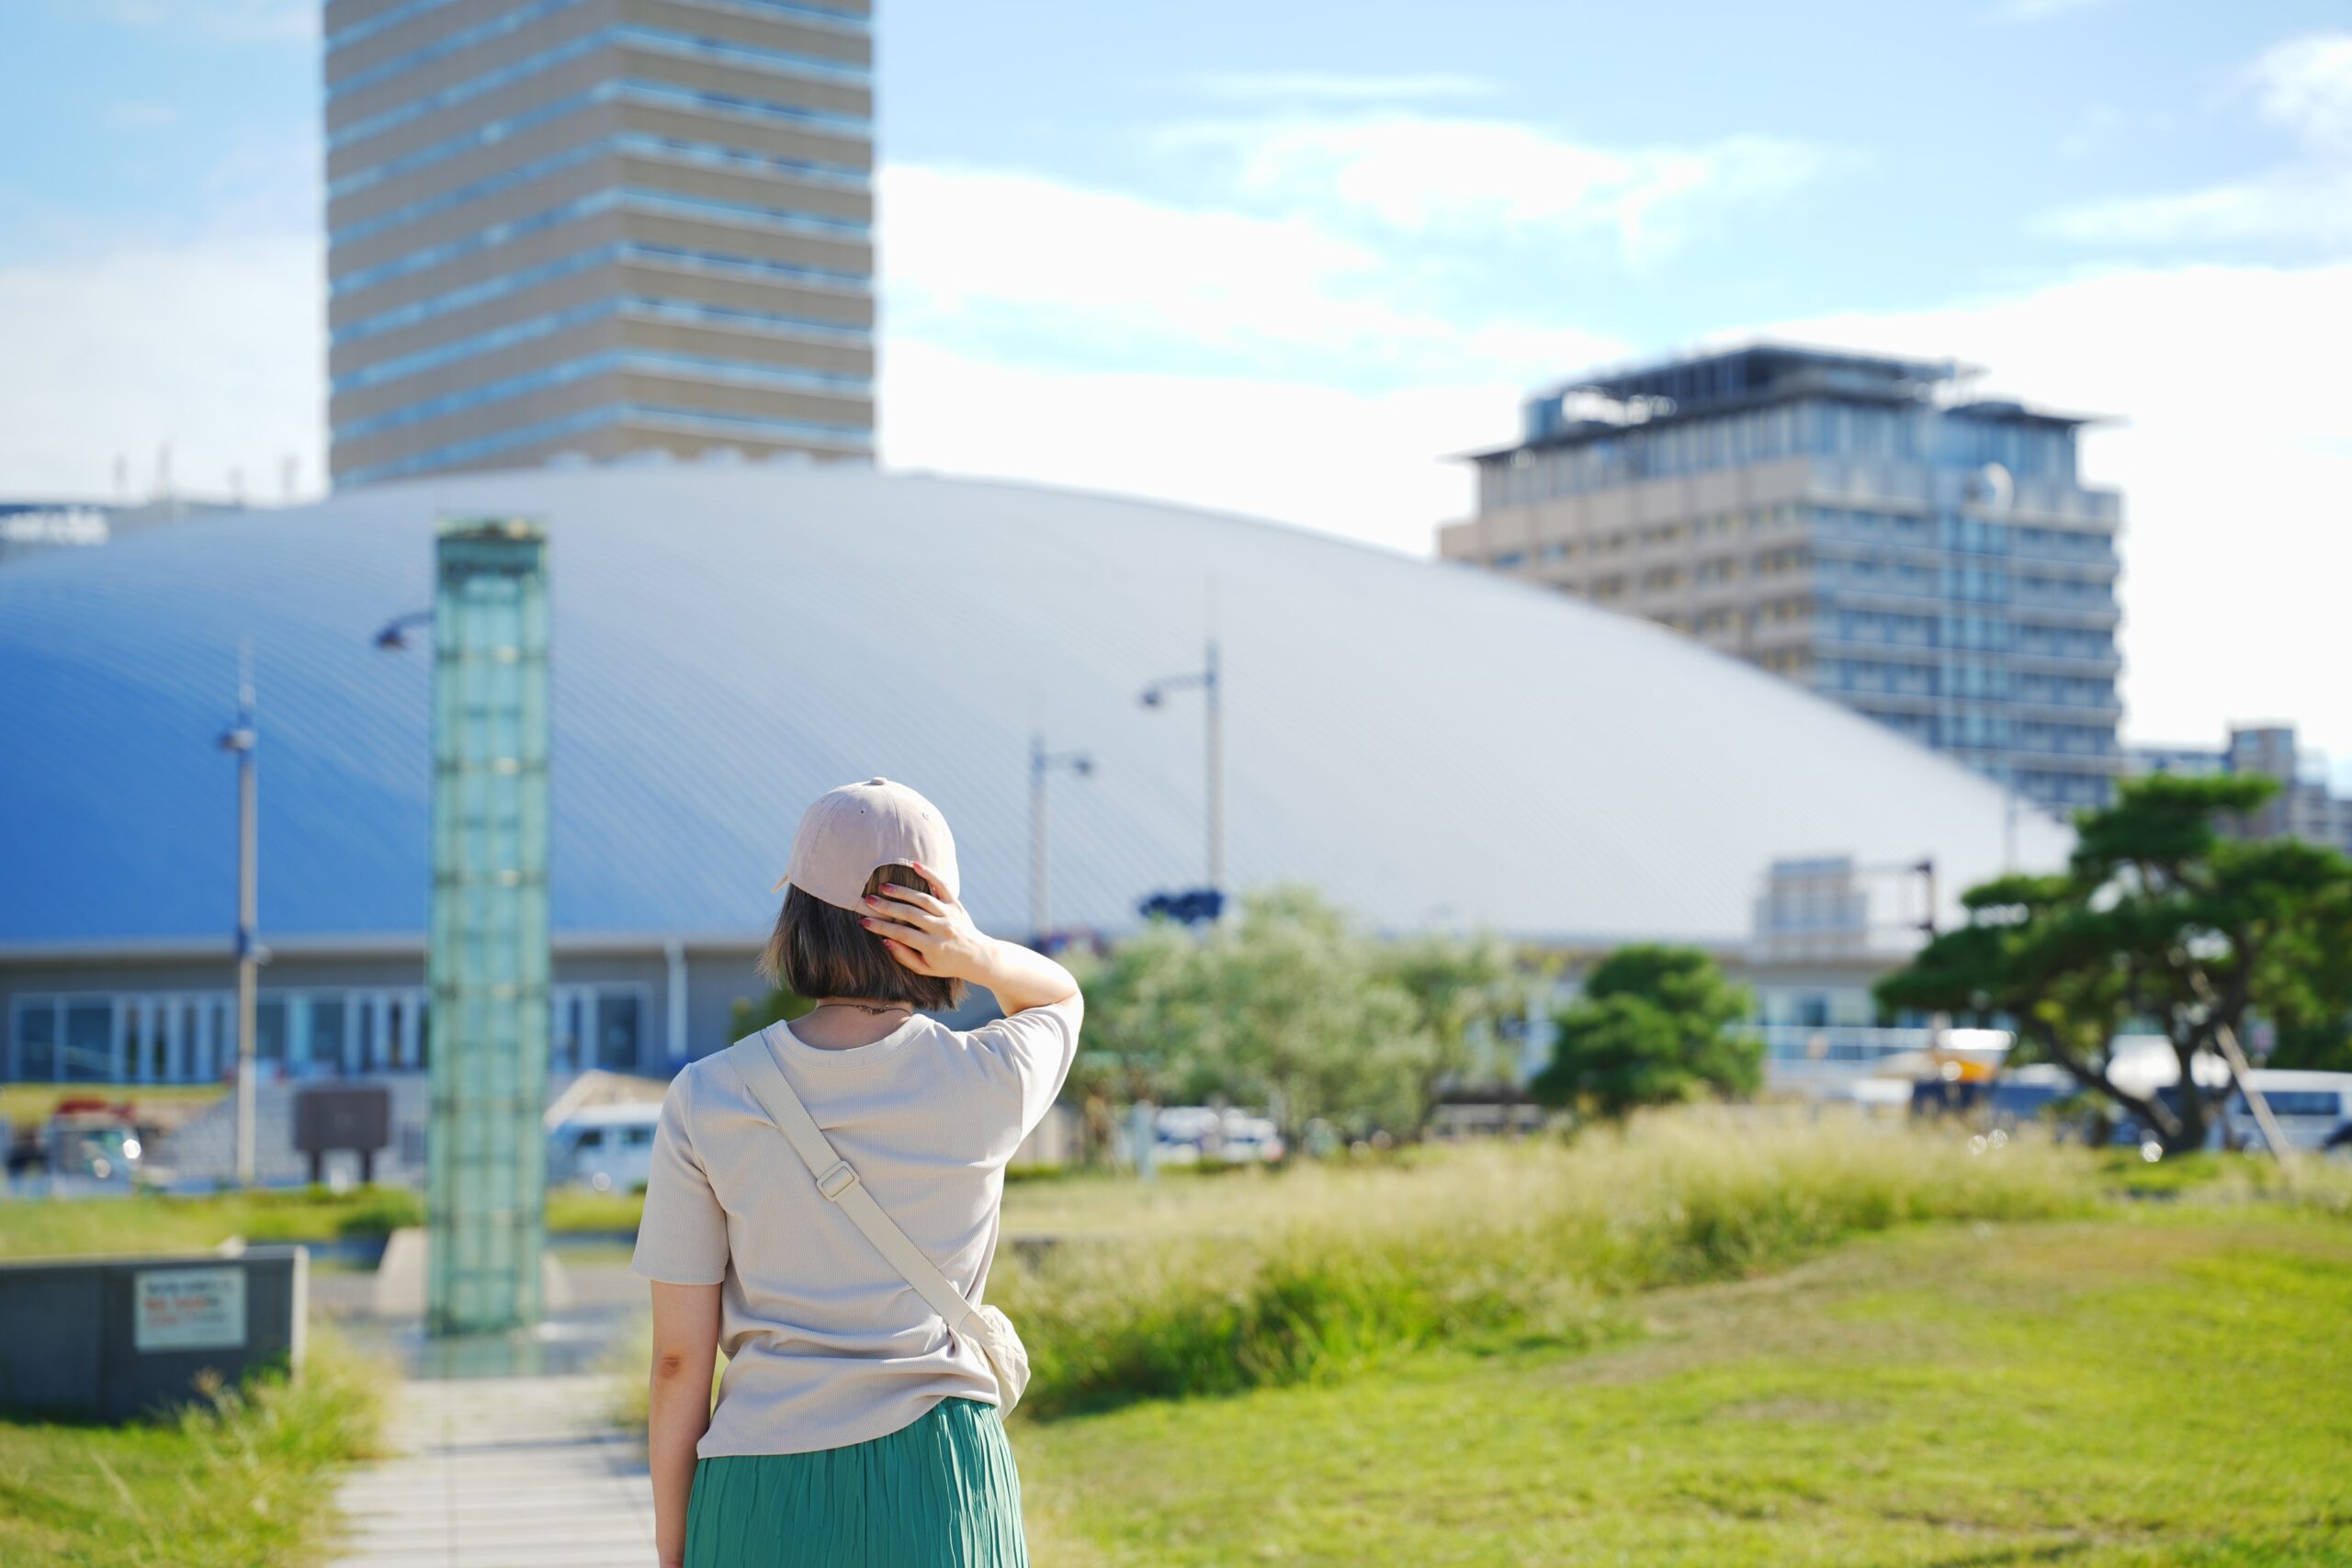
(1283, 1277)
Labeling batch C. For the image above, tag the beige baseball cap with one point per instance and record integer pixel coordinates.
(852, 830)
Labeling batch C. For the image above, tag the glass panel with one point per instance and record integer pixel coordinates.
(154, 1065)
(37, 1041)
(328, 1016)
(616, 1030)
(270, 1028)
(89, 1041)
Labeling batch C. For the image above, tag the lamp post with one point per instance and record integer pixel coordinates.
(1206, 679)
(238, 741)
(1042, 762)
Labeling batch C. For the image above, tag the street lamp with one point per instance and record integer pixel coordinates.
(1041, 763)
(238, 740)
(1205, 677)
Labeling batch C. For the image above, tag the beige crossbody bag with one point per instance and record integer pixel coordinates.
(984, 1326)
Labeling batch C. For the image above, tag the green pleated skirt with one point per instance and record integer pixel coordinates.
(940, 1493)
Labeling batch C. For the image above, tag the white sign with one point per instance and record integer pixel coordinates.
(188, 1309)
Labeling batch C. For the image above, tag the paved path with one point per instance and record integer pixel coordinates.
(501, 1473)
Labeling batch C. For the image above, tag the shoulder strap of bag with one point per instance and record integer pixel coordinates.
(756, 1061)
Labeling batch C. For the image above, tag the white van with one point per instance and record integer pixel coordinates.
(606, 1147)
(2313, 1110)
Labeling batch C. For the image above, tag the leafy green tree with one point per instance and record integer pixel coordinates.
(1147, 1012)
(1305, 1024)
(1460, 986)
(1656, 1024)
(1285, 1007)
(2160, 922)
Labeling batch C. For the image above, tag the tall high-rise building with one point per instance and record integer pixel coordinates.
(597, 227)
(1857, 524)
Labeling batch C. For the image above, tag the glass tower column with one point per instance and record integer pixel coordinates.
(487, 963)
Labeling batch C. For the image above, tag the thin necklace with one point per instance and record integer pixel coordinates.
(864, 1007)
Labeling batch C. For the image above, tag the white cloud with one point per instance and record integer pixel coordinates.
(2305, 87)
(1034, 271)
(213, 348)
(1472, 180)
(2230, 455)
(2291, 205)
(1042, 331)
(1294, 86)
(1369, 465)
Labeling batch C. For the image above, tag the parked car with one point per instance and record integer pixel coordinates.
(1190, 1133)
(608, 1148)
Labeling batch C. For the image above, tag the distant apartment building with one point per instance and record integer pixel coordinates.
(2305, 806)
(561, 229)
(1859, 525)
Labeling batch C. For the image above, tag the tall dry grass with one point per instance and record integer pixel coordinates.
(1211, 1285)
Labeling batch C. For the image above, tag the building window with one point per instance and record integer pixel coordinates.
(36, 1037)
(89, 1043)
(617, 1024)
(329, 1017)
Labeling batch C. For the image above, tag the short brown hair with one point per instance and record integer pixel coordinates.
(818, 950)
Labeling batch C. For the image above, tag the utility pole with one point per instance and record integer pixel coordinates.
(1041, 763)
(1212, 690)
(1210, 679)
(239, 739)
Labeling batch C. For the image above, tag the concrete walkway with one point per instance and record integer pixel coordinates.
(501, 1473)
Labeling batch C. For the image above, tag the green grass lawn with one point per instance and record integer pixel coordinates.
(152, 1222)
(246, 1484)
(2168, 1387)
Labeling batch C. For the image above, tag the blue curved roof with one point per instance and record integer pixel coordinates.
(1427, 744)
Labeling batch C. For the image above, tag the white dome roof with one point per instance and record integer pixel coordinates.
(1427, 744)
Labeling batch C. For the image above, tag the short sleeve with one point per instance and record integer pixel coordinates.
(682, 1239)
(1037, 1046)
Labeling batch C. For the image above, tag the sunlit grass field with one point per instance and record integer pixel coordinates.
(2150, 1385)
(154, 1223)
(246, 1481)
(1252, 1278)
(1713, 1339)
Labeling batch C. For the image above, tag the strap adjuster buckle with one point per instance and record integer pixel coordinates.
(837, 1180)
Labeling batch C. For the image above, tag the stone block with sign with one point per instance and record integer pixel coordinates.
(111, 1338)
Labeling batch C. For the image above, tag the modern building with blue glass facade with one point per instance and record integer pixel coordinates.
(595, 227)
(1862, 525)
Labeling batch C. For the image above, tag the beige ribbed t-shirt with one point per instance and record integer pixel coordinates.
(826, 1345)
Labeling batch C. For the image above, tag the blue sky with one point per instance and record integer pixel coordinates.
(1284, 259)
